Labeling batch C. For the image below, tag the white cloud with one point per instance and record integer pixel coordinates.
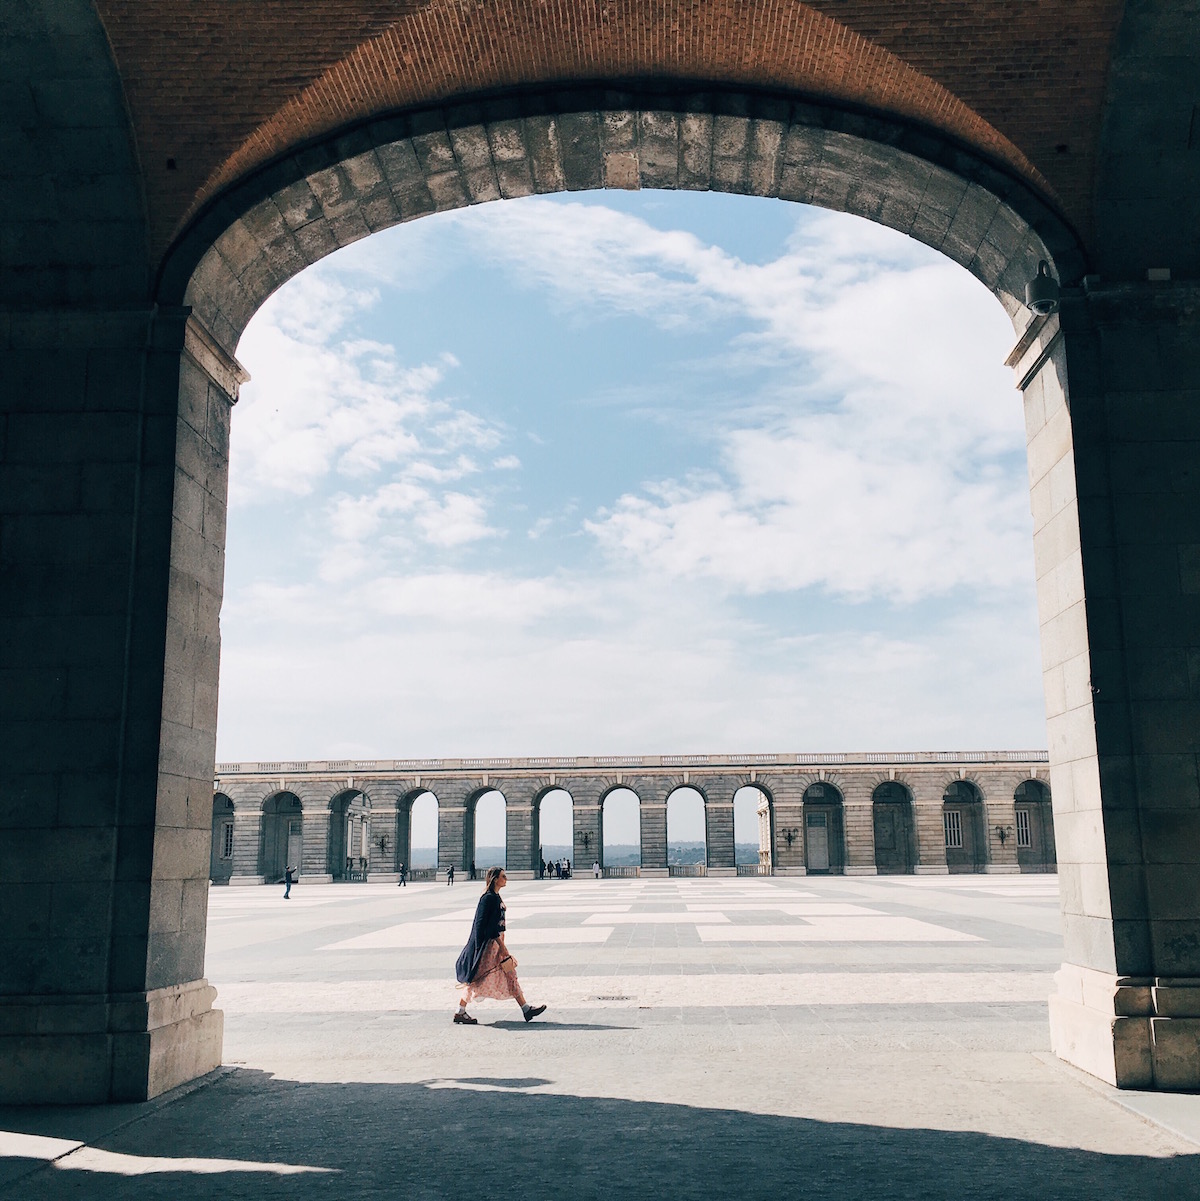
(894, 474)
(482, 664)
(815, 504)
(322, 404)
(881, 464)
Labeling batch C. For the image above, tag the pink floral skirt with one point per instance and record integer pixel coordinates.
(492, 980)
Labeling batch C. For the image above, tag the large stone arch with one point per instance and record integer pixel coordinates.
(264, 230)
(116, 383)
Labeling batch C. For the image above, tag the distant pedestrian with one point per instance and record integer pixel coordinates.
(541, 869)
(596, 868)
(485, 969)
(289, 878)
(450, 875)
(472, 869)
(403, 877)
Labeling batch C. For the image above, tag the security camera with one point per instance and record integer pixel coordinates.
(1041, 292)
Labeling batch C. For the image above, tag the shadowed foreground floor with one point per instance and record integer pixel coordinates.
(492, 1137)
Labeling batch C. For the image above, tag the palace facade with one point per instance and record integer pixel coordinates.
(852, 814)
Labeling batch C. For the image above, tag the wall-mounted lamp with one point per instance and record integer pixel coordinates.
(586, 838)
(790, 835)
(1041, 292)
(1004, 833)
(383, 842)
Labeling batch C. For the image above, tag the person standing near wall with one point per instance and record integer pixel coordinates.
(450, 875)
(486, 969)
(289, 878)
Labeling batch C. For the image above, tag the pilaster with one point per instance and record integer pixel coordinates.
(1112, 392)
(859, 822)
(116, 426)
(931, 837)
(314, 831)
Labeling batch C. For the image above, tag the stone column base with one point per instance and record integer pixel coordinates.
(93, 1049)
(1133, 1032)
(720, 871)
(791, 871)
(1002, 869)
(655, 873)
(931, 869)
(531, 875)
(860, 870)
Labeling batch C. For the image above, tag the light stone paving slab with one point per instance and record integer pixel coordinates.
(655, 919)
(813, 909)
(822, 929)
(525, 912)
(743, 990)
(436, 935)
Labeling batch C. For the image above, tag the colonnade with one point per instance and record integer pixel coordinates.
(860, 816)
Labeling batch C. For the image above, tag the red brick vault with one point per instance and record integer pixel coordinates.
(167, 164)
(1022, 84)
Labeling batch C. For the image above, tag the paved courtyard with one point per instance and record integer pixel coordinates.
(811, 1037)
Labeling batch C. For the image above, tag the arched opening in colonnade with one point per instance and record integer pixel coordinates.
(620, 832)
(487, 838)
(965, 826)
(281, 844)
(753, 830)
(554, 828)
(687, 832)
(221, 859)
(422, 840)
(1034, 827)
(349, 844)
(824, 830)
(895, 829)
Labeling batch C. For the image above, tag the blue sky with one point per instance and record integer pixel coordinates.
(628, 473)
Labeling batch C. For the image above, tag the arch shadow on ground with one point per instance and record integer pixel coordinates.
(245, 1133)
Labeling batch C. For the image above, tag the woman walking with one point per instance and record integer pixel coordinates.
(485, 967)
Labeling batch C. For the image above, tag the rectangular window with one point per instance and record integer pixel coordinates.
(952, 820)
(1024, 838)
(227, 841)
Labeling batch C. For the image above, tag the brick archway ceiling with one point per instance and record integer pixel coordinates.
(219, 95)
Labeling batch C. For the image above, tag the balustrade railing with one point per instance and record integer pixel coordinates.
(631, 762)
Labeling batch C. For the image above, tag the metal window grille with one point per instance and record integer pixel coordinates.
(227, 841)
(952, 820)
(1024, 835)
